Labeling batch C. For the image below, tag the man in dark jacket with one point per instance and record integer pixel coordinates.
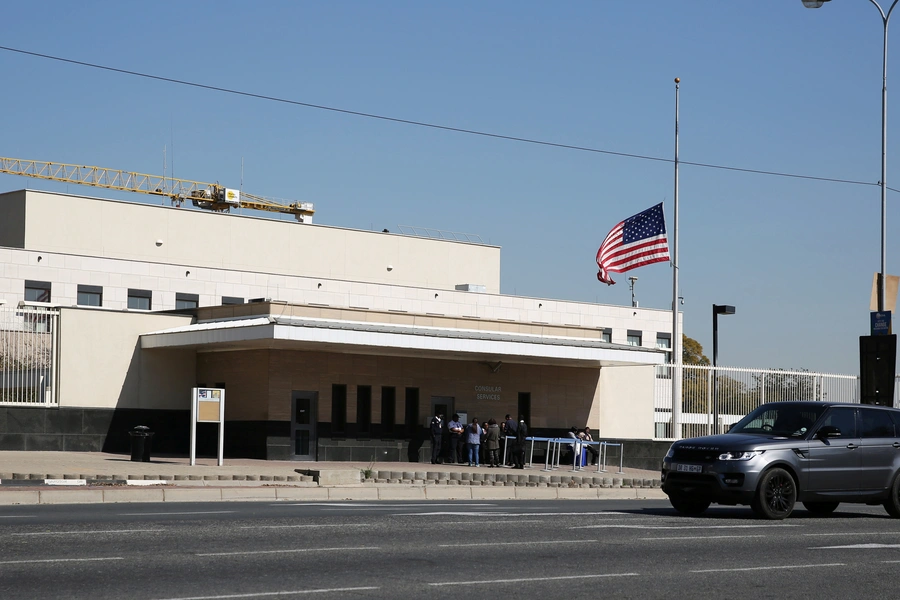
(437, 433)
(519, 448)
(509, 429)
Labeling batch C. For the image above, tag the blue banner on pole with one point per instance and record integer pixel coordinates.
(880, 323)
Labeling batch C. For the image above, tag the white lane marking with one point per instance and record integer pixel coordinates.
(65, 481)
(146, 482)
(55, 560)
(524, 579)
(856, 547)
(517, 543)
(199, 512)
(509, 514)
(87, 532)
(702, 537)
(857, 533)
(17, 516)
(288, 551)
(284, 593)
(312, 526)
(508, 521)
(370, 505)
(770, 567)
(610, 526)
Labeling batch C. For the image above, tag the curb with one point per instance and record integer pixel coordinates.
(86, 495)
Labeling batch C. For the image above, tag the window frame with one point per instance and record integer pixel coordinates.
(44, 287)
(136, 294)
(184, 297)
(89, 290)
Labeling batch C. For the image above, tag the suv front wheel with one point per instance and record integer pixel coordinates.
(776, 495)
(892, 504)
(692, 508)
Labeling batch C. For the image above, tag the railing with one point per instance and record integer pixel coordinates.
(28, 356)
(739, 392)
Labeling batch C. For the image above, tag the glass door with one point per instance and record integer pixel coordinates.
(303, 425)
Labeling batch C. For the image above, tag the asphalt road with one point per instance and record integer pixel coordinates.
(459, 550)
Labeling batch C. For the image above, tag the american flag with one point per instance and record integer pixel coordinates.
(637, 241)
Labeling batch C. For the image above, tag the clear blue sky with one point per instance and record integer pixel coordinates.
(766, 85)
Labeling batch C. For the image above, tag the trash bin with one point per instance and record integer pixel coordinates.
(140, 443)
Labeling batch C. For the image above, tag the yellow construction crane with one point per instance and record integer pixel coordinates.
(209, 196)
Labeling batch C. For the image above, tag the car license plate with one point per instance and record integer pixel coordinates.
(689, 468)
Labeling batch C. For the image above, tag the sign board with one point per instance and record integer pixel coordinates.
(232, 197)
(207, 406)
(891, 282)
(880, 323)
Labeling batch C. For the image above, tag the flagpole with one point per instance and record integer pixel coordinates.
(676, 336)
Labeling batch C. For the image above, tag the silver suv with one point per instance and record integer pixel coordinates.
(820, 453)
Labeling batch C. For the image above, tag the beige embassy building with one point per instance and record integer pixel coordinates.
(331, 343)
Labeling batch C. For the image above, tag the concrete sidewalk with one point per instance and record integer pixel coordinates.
(77, 477)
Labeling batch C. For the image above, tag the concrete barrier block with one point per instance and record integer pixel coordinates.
(248, 493)
(71, 496)
(402, 493)
(449, 493)
(494, 492)
(578, 493)
(12, 497)
(301, 493)
(536, 493)
(366, 493)
(198, 494)
(133, 495)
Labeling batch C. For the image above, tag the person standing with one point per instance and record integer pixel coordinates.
(437, 433)
(509, 430)
(456, 439)
(473, 441)
(519, 448)
(492, 439)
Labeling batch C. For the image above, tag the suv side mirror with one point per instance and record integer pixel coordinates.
(828, 431)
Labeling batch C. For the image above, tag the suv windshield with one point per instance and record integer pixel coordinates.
(787, 419)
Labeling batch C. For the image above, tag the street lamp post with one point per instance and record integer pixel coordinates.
(885, 17)
(718, 309)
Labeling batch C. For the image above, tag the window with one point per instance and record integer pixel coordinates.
(388, 409)
(634, 338)
(139, 299)
(412, 411)
(664, 342)
(37, 291)
(364, 409)
(90, 295)
(844, 419)
(606, 335)
(226, 300)
(876, 423)
(338, 408)
(183, 301)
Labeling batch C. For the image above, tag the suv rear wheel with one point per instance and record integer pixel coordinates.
(775, 496)
(689, 507)
(892, 504)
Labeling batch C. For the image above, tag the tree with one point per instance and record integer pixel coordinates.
(694, 382)
(692, 352)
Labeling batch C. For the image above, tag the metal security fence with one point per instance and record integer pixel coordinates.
(739, 392)
(28, 356)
